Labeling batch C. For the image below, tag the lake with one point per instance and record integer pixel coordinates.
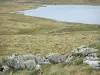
(87, 14)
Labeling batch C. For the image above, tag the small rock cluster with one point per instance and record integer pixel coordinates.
(34, 61)
(91, 56)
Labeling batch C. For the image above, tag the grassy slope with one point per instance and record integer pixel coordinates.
(60, 1)
(24, 34)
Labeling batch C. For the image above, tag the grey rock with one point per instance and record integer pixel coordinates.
(30, 64)
(28, 57)
(39, 59)
(5, 68)
(56, 58)
(84, 51)
(46, 61)
(68, 60)
(93, 64)
(38, 67)
(15, 61)
(42, 60)
(92, 57)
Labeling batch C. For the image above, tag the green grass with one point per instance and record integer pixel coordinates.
(25, 34)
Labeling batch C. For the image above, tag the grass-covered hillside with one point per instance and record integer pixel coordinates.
(56, 1)
(25, 34)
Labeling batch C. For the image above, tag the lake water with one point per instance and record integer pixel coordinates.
(68, 13)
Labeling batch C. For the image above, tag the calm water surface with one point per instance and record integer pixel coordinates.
(67, 13)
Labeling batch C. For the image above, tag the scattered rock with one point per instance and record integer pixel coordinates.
(68, 60)
(93, 64)
(30, 64)
(84, 51)
(92, 57)
(56, 58)
(28, 57)
(42, 60)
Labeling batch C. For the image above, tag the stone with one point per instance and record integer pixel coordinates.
(84, 51)
(68, 60)
(41, 60)
(56, 58)
(28, 57)
(38, 67)
(30, 64)
(93, 64)
(46, 61)
(15, 61)
(92, 57)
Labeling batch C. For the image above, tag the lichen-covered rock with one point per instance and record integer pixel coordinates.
(84, 51)
(30, 64)
(28, 57)
(93, 64)
(56, 58)
(41, 60)
(92, 57)
(15, 61)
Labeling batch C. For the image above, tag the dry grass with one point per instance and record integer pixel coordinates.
(56, 1)
(44, 44)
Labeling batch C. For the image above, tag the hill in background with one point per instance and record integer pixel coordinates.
(57, 1)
